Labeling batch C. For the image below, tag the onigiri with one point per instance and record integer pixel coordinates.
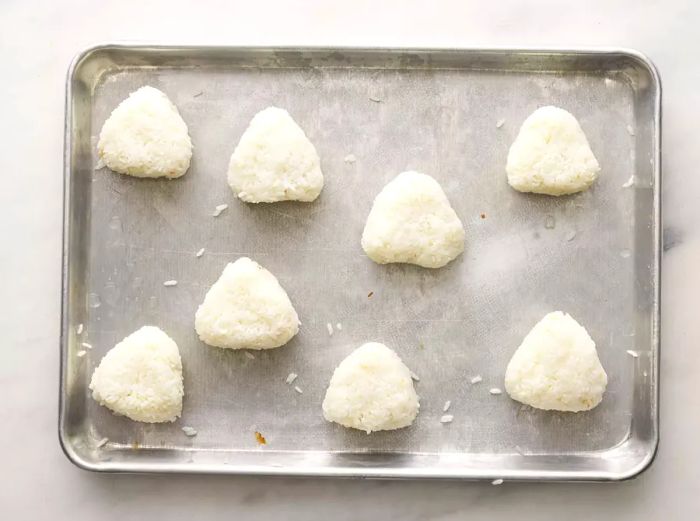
(371, 390)
(141, 377)
(145, 136)
(551, 155)
(411, 221)
(275, 161)
(557, 367)
(246, 309)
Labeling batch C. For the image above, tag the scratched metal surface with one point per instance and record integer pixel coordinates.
(592, 255)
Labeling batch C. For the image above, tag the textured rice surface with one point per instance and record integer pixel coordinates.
(275, 161)
(371, 390)
(557, 367)
(146, 137)
(141, 377)
(246, 309)
(412, 221)
(551, 155)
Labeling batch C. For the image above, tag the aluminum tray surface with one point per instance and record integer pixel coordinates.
(450, 113)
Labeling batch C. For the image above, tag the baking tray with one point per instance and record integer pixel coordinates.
(594, 255)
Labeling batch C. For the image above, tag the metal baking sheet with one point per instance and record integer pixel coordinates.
(594, 255)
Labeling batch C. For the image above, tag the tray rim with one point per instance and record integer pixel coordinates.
(651, 446)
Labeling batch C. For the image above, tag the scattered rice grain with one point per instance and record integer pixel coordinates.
(80, 354)
(339, 326)
(500, 123)
(291, 377)
(571, 236)
(630, 130)
(79, 329)
(86, 345)
(298, 389)
(219, 208)
(350, 158)
(495, 390)
(633, 354)
(476, 379)
(199, 253)
(415, 376)
(497, 482)
(447, 418)
(630, 181)
(249, 355)
(329, 326)
(446, 406)
(102, 442)
(189, 431)
(170, 283)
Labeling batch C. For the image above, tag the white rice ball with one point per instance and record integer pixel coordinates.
(146, 137)
(141, 377)
(246, 309)
(371, 390)
(412, 221)
(551, 155)
(275, 161)
(557, 367)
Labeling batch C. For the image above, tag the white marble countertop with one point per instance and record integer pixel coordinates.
(37, 41)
